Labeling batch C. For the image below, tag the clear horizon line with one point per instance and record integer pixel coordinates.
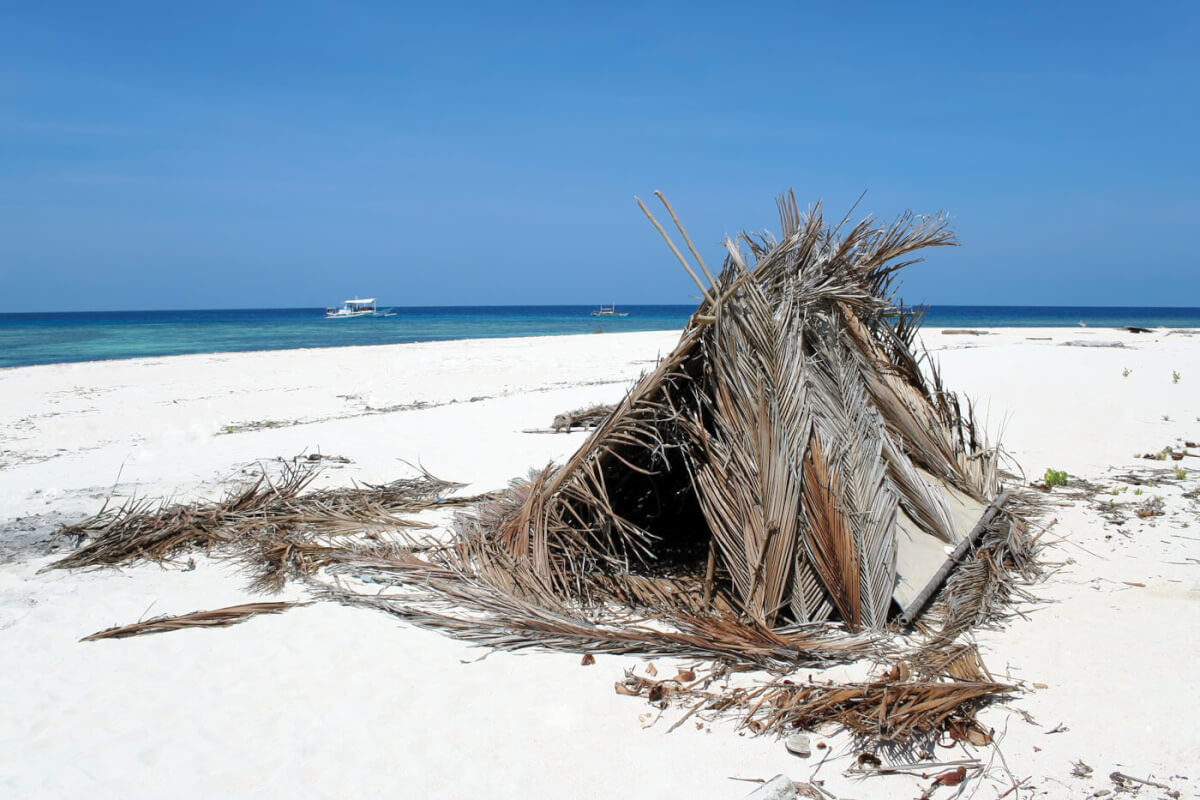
(562, 305)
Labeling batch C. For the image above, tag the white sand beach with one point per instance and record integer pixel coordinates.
(327, 701)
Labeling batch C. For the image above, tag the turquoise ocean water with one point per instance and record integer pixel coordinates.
(51, 338)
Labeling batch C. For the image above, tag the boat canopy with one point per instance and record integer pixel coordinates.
(357, 302)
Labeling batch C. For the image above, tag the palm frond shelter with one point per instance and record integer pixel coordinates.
(789, 462)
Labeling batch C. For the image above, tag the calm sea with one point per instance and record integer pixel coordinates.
(27, 339)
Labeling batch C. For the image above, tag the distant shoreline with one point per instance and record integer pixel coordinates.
(29, 339)
(938, 308)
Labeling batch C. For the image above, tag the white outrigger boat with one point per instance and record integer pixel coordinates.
(358, 307)
(609, 311)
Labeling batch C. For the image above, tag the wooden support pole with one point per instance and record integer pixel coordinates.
(709, 570)
(917, 606)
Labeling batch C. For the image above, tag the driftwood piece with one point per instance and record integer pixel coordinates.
(216, 618)
(584, 418)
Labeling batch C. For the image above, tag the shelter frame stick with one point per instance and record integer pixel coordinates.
(925, 595)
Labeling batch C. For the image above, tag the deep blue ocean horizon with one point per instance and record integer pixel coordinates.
(32, 338)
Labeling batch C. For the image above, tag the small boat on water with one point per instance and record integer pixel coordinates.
(358, 307)
(609, 311)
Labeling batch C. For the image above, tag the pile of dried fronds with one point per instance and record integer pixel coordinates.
(911, 701)
(277, 527)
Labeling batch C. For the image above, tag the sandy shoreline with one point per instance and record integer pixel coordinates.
(327, 701)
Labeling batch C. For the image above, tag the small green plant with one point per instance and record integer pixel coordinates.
(1120, 490)
(1125, 373)
(1054, 477)
(1166, 417)
(1180, 473)
(1175, 376)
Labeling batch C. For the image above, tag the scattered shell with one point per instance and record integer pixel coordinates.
(798, 744)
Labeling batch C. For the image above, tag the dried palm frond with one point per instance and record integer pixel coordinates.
(754, 422)
(886, 710)
(216, 618)
(433, 595)
(261, 515)
(899, 707)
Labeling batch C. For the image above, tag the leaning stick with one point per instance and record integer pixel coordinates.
(674, 249)
(910, 614)
(686, 238)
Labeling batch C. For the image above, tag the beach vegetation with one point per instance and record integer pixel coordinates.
(1054, 477)
(1175, 376)
(1125, 373)
(1137, 490)
(1180, 473)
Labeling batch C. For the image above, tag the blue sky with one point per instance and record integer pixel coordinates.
(280, 154)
